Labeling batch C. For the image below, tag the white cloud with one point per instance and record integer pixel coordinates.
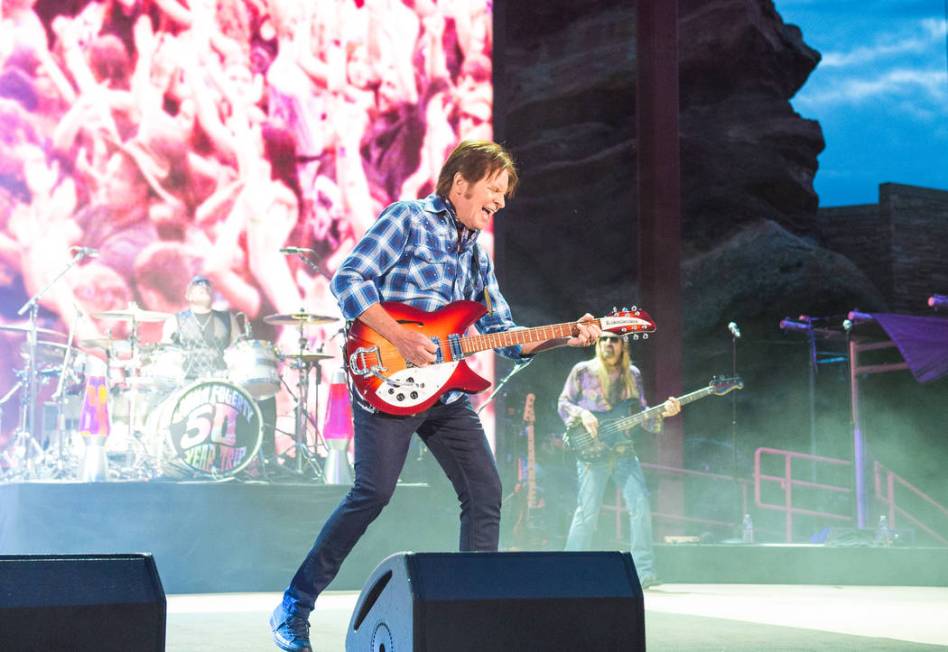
(920, 38)
(927, 89)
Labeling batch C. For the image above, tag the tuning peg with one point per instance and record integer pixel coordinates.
(615, 309)
(635, 308)
(635, 337)
(644, 336)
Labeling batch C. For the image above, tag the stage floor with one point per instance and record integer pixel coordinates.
(681, 617)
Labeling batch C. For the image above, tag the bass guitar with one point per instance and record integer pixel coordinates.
(389, 383)
(614, 428)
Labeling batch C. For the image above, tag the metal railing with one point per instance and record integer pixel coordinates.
(886, 483)
(618, 508)
(885, 494)
(788, 483)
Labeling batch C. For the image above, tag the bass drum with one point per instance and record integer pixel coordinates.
(211, 428)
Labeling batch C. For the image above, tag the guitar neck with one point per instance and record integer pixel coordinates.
(531, 468)
(637, 419)
(476, 343)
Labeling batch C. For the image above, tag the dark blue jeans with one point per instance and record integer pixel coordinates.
(454, 435)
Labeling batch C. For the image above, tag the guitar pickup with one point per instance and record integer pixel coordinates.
(454, 341)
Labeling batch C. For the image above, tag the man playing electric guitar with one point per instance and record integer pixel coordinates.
(423, 253)
(610, 385)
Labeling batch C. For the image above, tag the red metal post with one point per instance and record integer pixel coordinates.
(788, 496)
(659, 216)
(890, 488)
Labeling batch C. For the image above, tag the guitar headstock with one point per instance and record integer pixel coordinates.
(633, 321)
(721, 386)
(528, 415)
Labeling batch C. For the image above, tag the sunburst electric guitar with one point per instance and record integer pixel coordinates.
(389, 383)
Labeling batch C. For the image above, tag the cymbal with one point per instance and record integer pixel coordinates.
(133, 313)
(25, 328)
(294, 318)
(97, 343)
(307, 356)
(46, 352)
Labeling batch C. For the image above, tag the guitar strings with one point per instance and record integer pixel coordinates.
(442, 343)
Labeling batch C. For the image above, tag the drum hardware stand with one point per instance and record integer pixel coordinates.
(301, 414)
(59, 397)
(26, 432)
(133, 394)
(20, 449)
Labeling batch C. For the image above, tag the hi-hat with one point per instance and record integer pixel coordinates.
(295, 318)
(306, 356)
(25, 328)
(133, 313)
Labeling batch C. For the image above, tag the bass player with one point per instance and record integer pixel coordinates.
(609, 382)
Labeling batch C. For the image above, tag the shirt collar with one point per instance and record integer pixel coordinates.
(435, 203)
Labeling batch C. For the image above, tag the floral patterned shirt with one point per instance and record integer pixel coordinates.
(583, 391)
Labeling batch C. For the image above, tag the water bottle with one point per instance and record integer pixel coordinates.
(747, 529)
(883, 533)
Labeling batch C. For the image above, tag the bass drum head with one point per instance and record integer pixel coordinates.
(213, 427)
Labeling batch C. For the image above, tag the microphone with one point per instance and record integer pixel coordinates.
(85, 252)
(296, 250)
(938, 301)
(787, 324)
(735, 331)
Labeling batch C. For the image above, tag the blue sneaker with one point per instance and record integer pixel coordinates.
(290, 631)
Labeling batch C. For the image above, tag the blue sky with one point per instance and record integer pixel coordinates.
(880, 93)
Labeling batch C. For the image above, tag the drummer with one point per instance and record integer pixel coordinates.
(203, 332)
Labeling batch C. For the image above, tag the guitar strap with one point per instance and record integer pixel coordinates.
(476, 273)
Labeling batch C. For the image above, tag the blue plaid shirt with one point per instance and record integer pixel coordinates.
(419, 254)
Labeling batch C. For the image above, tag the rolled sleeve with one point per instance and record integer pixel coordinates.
(356, 283)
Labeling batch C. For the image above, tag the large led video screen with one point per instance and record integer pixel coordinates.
(184, 137)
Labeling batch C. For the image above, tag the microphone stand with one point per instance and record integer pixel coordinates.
(60, 395)
(28, 418)
(519, 366)
(306, 257)
(735, 335)
(734, 407)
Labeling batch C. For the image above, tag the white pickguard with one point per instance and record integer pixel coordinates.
(427, 381)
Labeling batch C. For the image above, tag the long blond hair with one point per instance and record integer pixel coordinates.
(627, 386)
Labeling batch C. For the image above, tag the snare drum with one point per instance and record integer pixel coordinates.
(211, 427)
(252, 364)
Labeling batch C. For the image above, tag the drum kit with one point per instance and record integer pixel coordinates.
(150, 417)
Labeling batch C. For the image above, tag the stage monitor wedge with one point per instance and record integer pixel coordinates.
(524, 601)
(75, 603)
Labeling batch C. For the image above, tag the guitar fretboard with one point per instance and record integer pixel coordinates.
(476, 343)
(629, 422)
